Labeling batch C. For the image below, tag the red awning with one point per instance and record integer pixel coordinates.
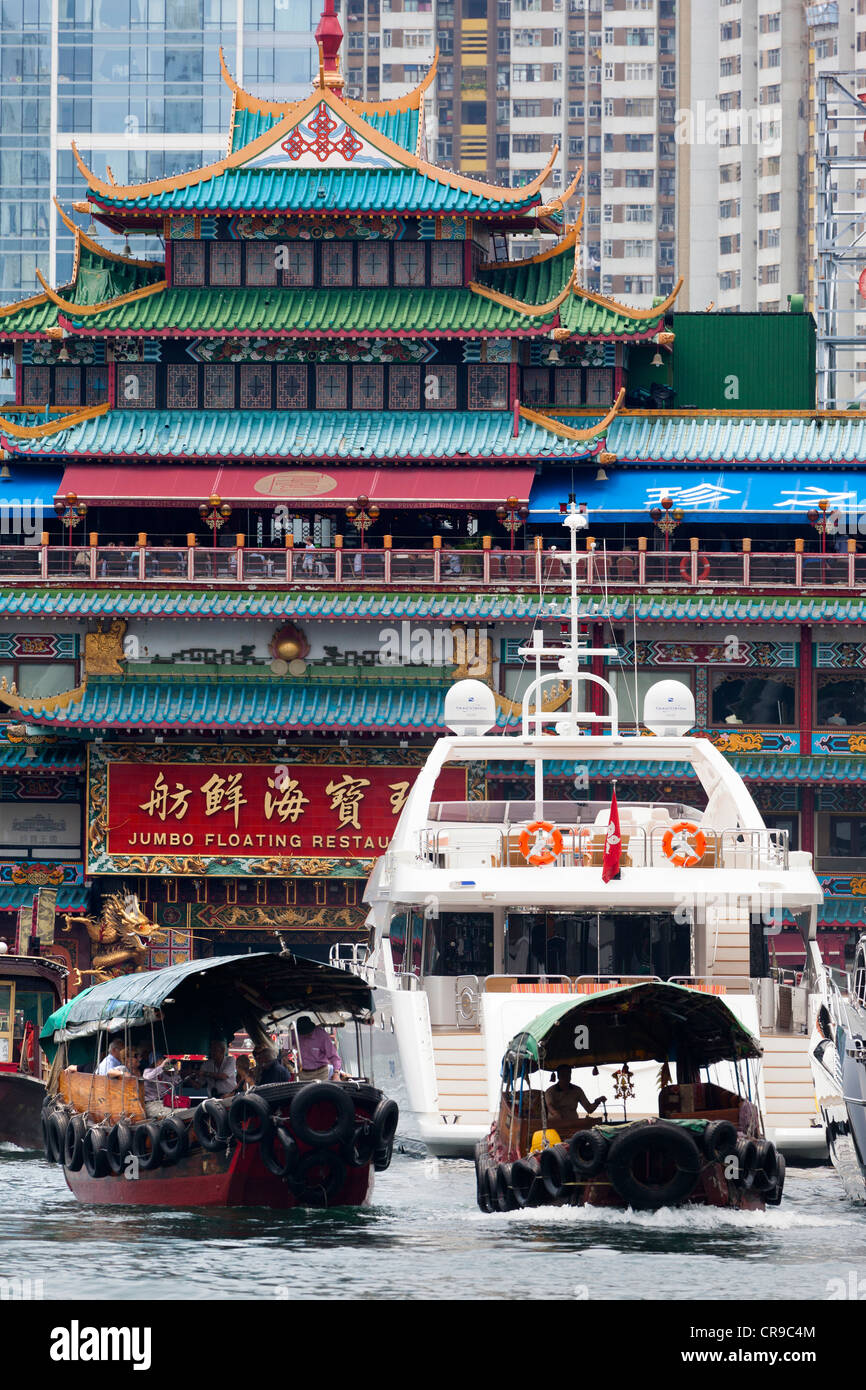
(165, 486)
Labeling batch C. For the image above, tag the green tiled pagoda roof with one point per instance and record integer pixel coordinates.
(309, 313)
(98, 278)
(408, 191)
(13, 758)
(303, 434)
(703, 437)
(585, 319)
(768, 767)
(337, 604)
(399, 126)
(70, 898)
(254, 702)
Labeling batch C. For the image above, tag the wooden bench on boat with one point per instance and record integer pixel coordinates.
(111, 1097)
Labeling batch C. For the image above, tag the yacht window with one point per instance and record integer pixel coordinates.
(563, 943)
(460, 943)
(753, 700)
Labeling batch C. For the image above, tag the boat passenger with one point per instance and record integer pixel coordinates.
(112, 1063)
(218, 1073)
(319, 1057)
(268, 1068)
(562, 1100)
(159, 1080)
(246, 1079)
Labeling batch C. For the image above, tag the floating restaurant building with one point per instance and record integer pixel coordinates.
(264, 498)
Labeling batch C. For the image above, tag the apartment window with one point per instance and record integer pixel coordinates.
(594, 144)
(771, 23)
(770, 96)
(527, 38)
(639, 178)
(594, 111)
(609, 71)
(729, 245)
(638, 107)
(666, 253)
(639, 144)
(729, 208)
(608, 212)
(640, 38)
(607, 248)
(502, 148)
(526, 144)
(608, 36)
(575, 77)
(729, 101)
(826, 48)
(768, 238)
(768, 274)
(637, 249)
(729, 31)
(609, 109)
(609, 178)
(637, 284)
(445, 146)
(668, 77)
(525, 110)
(526, 72)
(729, 67)
(730, 173)
(770, 166)
(640, 72)
(769, 202)
(770, 58)
(667, 184)
(575, 144)
(729, 280)
(503, 40)
(556, 73)
(638, 212)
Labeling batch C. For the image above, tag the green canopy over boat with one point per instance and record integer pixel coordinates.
(220, 993)
(642, 1022)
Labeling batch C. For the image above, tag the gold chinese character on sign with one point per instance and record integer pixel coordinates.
(224, 794)
(399, 791)
(290, 802)
(346, 797)
(163, 802)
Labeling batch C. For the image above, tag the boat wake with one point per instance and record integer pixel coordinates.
(694, 1218)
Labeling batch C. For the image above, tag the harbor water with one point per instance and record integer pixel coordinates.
(424, 1238)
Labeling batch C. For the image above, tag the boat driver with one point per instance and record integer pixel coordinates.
(112, 1063)
(562, 1100)
(219, 1072)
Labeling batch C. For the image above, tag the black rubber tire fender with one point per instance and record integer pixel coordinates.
(503, 1196)
(720, 1140)
(555, 1170)
(747, 1161)
(525, 1182)
(319, 1177)
(118, 1145)
(93, 1150)
(386, 1118)
(211, 1124)
(46, 1136)
(483, 1191)
(249, 1118)
(57, 1126)
(774, 1196)
(318, 1093)
(361, 1148)
(587, 1150)
(173, 1139)
(73, 1152)
(767, 1165)
(382, 1157)
(671, 1140)
(146, 1146)
(280, 1153)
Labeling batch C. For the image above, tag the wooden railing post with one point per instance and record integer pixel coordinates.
(142, 554)
(338, 559)
(539, 559)
(437, 559)
(387, 543)
(799, 543)
(852, 551)
(693, 561)
(190, 555)
(486, 543)
(747, 561)
(240, 541)
(641, 560)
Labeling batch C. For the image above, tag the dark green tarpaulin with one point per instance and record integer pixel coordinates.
(218, 991)
(639, 1022)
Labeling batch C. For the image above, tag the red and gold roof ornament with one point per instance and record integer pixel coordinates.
(329, 36)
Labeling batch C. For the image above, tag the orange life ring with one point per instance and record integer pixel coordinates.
(547, 855)
(686, 568)
(685, 861)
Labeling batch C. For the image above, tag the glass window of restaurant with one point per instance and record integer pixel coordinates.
(753, 699)
(840, 700)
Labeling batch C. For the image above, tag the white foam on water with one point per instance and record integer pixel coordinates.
(695, 1218)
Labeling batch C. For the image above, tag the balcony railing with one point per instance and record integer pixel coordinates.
(623, 570)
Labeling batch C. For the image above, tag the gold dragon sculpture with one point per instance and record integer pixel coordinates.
(120, 935)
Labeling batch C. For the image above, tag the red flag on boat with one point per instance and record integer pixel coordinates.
(612, 844)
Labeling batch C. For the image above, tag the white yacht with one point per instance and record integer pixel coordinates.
(484, 913)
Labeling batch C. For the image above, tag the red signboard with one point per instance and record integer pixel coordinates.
(262, 809)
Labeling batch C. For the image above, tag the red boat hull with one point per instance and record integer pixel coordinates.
(212, 1180)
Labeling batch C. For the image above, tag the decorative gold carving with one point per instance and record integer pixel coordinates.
(123, 926)
(103, 651)
(49, 704)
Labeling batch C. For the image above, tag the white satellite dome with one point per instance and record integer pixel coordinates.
(669, 709)
(470, 708)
